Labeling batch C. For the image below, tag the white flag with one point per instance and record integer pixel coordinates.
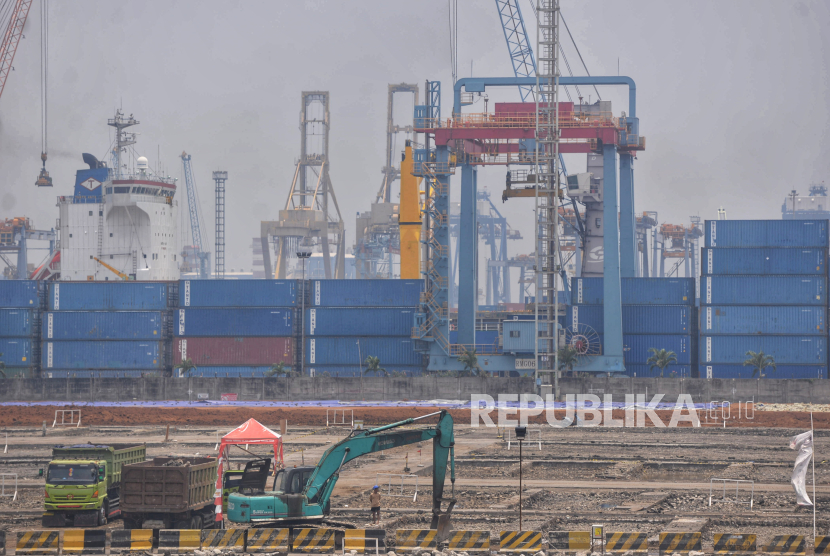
(804, 444)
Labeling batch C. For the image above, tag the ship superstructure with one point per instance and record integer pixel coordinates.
(813, 206)
(120, 222)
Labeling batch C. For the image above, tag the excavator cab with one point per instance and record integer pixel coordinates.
(292, 481)
(251, 480)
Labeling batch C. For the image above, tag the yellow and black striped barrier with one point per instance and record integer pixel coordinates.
(626, 542)
(470, 541)
(410, 540)
(679, 542)
(364, 541)
(268, 541)
(822, 544)
(569, 540)
(734, 543)
(90, 541)
(37, 542)
(135, 540)
(224, 539)
(179, 541)
(786, 544)
(321, 541)
(520, 541)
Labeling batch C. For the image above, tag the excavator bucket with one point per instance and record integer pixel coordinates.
(442, 523)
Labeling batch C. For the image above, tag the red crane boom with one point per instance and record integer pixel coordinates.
(11, 39)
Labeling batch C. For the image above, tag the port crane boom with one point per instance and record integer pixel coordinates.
(195, 214)
(11, 38)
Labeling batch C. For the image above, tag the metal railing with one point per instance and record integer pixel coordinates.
(737, 486)
(400, 488)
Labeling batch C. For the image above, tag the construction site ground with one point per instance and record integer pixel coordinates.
(628, 479)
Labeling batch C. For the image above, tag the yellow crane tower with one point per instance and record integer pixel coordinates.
(409, 220)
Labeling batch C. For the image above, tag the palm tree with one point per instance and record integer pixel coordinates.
(760, 361)
(661, 359)
(373, 366)
(186, 367)
(470, 361)
(567, 358)
(278, 369)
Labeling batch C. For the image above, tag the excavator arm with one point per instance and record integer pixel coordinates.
(322, 481)
(313, 501)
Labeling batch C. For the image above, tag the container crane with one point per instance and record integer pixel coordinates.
(11, 38)
(197, 250)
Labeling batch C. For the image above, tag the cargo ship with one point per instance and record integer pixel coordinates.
(120, 221)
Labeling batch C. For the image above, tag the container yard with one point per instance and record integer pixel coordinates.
(232, 343)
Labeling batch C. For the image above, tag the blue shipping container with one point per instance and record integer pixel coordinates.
(81, 373)
(355, 371)
(641, 370)
(107, 354)
(764, 260)
(636, 319)
(763, 290)
(238, 293)
(771, 319)
(782, 371)
(17, 352)
(102, 325)
(366, 293)
(19, 294)
(636, 291)
(359, 321)
(766, 233)
(787, 350)
(347, 351)
(210, 371)
(16, 323)
(234, 322)
(487, 341)
(636, 347)
(108, 296)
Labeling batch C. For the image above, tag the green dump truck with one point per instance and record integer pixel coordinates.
(83, 483)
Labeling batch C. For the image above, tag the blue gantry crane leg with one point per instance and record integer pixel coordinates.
(467, 257)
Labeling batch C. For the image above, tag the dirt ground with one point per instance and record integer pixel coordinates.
(34, 415)
(641, 479)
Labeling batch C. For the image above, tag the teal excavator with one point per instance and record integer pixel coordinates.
(301, 496)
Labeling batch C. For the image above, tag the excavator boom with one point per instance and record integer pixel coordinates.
(303, 494)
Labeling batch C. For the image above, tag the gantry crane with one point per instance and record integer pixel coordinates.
(197, 250)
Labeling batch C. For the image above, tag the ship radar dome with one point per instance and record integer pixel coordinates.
(142, 163)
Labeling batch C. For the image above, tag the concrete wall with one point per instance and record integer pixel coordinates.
(421, 388)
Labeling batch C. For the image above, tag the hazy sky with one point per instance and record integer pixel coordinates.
(732, 96)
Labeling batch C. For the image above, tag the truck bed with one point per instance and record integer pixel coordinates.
(152, 486)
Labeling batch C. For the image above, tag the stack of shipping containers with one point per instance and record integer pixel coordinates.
(764, 288)
(347, 321)
(236, 327)
(104, 329)
(657, 313)
(19, 313)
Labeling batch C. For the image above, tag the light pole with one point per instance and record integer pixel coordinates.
(520, 436)
(303, 252)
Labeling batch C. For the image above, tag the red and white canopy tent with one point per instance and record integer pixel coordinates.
(249, 432)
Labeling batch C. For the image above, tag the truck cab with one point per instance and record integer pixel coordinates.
(285, 500)
(79, 487)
